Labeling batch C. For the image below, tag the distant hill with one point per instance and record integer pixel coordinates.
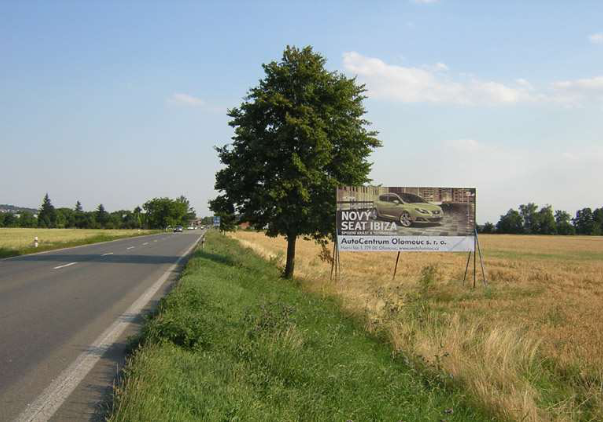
(9, 208)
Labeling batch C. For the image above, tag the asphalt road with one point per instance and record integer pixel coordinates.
(53, 306)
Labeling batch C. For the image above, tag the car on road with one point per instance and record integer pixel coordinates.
(406, 209)
(190, 228)
(178, 229)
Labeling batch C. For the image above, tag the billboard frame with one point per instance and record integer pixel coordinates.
(336, 262)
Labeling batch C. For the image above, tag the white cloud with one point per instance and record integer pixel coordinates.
(435, 84)
(524, 83)
(596, 38)
(438, 67)
(579, 91)
(412, 85)
(441, 66)
(585, 84)
(183, 99)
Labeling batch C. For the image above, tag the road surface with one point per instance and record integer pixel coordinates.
(65, 317)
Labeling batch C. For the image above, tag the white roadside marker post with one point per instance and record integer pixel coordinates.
(36, 242)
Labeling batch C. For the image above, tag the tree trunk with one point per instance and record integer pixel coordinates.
(290, 256)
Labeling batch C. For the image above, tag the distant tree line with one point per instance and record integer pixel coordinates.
(157, 213)
(530, 219)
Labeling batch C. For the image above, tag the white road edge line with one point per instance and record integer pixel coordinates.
(106, 254)
(66, 265)
(44, 407)
(129, 248)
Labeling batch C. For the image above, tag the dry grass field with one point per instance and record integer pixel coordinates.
(529, 346)
(14, 241)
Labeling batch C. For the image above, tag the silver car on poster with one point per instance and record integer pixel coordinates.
(406, 209)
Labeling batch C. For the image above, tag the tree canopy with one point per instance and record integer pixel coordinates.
(159, 211)
(547, 221)
(163, 212)
(47, 216)
(298, 135)
(511, 223)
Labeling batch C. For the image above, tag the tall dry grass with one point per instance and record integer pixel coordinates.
(529, 346)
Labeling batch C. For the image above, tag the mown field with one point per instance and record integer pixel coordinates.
(528, 346)
(18, 241)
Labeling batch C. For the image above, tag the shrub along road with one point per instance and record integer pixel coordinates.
(233, 342)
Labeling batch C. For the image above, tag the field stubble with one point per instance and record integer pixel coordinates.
(528, 346)
(17, 241)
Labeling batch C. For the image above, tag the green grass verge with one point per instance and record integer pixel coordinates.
(12, 252)
(235, 342)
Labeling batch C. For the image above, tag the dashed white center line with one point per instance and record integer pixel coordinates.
(155, 241)
(106, 254)
(146, 243)
(129, 248)
(65, 265)
(54, 396)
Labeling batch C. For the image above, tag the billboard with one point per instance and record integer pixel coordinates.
(216, 220)
(405, 219)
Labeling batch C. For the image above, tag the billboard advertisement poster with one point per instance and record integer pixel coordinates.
(406, 219)
(216, 220)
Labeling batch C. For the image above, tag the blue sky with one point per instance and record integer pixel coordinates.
(118, 102)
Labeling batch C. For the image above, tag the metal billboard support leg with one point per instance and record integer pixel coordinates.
(466, 268)
(396, 267)
(333, 260)
(338, 263)
(481, 259)
(474, 261)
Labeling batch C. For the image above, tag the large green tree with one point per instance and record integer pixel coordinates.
(563, 223)
(487, 228)
(162, 212)
(598, 221)
(584, 222)
(510, 223)
(299, 135)
(529, 214)
(11, 221)
(79, 216)
(187, 211)
(47, 216)
(64, 217)
(546, 221)
(102, 216)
